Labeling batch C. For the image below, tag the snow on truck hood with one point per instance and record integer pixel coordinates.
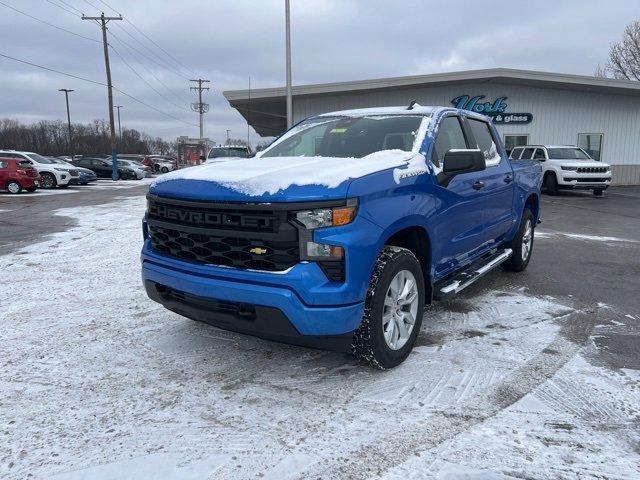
(303, 177)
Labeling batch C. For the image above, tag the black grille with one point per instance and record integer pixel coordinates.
(592, 180)
(250, 237)
(592, 169)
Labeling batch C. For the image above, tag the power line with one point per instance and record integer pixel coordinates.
(178, 62)
(53, 70)
(71, 7)
(97, 83)
(149, 71)
(126, 44)
(65, 9)
(47, 23)
(143, 79)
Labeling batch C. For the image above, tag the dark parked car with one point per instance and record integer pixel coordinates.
(102, 168)
(16, 175)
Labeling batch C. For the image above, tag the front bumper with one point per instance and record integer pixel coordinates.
(284, 291)
(592, 182)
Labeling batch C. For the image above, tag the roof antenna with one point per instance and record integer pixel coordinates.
(412, 104)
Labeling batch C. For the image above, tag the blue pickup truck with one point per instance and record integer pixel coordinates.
(339, 233)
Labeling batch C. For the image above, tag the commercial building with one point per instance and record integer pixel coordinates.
(598, 114)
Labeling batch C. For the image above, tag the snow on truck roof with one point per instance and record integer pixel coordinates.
(417, 109)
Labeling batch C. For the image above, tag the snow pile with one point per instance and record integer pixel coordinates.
(259, 175)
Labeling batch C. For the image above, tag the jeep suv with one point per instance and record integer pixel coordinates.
(566, 167)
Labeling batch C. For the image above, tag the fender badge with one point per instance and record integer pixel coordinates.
(258, 250)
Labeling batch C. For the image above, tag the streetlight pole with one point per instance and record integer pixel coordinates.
(66, 96)
(119, 127)
(288, 40)
(228, 136)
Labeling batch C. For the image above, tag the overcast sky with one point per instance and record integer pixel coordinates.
(227, 41)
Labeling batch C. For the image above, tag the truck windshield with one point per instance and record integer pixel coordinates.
(567, 154)
(218, 152)
(345, 137)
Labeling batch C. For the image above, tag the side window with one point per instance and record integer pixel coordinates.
(482, 133)
(539, 155)
(450, 136)
(527, 154)
(515, 153)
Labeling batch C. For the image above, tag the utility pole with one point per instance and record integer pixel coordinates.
(200, 107)
(66, 95)
(228, 136)
(249, 116)
(102, 21)
(119, 127)
(288, 40)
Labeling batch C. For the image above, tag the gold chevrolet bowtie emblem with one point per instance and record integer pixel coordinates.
(258, 250)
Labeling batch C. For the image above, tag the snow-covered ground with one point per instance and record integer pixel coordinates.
(100, 184)
(100, 383)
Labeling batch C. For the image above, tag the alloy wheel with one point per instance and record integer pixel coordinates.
(527, 239)
(400, 310)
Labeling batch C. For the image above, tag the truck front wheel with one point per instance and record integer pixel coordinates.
(393, 310)
(551, 184)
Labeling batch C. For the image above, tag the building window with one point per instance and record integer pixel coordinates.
(513, 141)
(592, 144)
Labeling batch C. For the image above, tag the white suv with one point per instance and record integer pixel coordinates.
(51, 173)
(566, 167)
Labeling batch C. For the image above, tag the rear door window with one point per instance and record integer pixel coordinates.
(484, 138)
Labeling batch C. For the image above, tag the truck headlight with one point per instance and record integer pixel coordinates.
(573, 169)
(328, 217)
(322, 251)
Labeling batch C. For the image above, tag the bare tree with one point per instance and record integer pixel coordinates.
(624, 56)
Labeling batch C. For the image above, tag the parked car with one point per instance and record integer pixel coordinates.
(17, 175)
(102, 168)
(340, 231)
(229, 151)
(51, 173)
(140, 172)
(565, 167)
(85, 176)
(162, 164)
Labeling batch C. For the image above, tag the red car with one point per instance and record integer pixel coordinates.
(16, 175)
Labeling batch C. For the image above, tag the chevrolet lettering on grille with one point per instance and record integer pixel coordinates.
(211, 218)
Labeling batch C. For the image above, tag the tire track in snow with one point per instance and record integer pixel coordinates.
(394, 447)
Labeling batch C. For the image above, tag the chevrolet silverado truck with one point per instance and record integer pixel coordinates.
(339, 233)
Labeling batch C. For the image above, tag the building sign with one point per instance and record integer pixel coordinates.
(496, 109)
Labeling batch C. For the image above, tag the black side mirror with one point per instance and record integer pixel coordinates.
(463, 161)
(202, 158)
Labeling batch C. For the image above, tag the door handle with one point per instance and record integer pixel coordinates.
(478, 185)
(508, 179)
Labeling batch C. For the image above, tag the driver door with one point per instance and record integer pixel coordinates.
(458, 231)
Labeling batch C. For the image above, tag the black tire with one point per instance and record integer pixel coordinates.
(368, 344)
(517, 263)
(551, 184)
(598, 192)
(13, 187)
(164, 169)
(48, 180)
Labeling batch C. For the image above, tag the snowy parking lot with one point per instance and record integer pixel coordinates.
(515, 378)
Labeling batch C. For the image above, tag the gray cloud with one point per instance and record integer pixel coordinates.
(227, 41)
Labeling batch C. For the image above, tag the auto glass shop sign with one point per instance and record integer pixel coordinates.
(496, 109)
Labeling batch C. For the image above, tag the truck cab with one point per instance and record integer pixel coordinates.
(339, 233)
